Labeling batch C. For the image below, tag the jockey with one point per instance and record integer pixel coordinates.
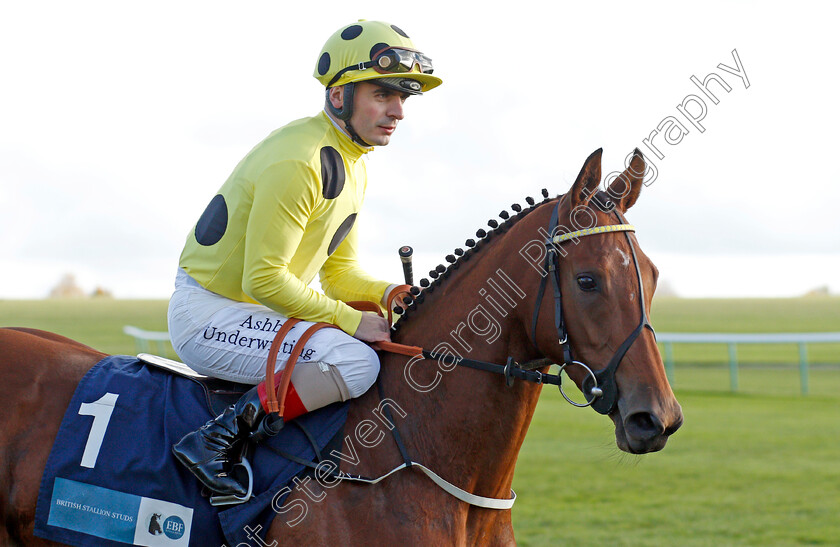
(287, 212)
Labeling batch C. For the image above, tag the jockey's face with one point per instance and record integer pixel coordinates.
(376, 111)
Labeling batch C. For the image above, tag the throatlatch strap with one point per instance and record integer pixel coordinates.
(552, 270)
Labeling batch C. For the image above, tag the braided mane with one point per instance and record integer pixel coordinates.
(441, 272)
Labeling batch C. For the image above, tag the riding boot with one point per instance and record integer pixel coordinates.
(211, 452)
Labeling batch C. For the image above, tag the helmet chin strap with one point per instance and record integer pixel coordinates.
(346, 112)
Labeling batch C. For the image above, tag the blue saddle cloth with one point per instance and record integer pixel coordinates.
(111, 478)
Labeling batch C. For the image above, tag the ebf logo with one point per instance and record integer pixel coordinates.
(174, 527)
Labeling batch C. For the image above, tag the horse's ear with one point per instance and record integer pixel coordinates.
(625, 189)
(587, 181)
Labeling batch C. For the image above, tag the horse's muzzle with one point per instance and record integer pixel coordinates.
(642, 432)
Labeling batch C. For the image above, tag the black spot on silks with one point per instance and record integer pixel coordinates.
(324, 64)
(351, 32)
(341, 233)
(332, 172)
(213, 222)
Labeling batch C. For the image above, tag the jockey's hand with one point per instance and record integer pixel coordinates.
(398, 301)
(373, 328)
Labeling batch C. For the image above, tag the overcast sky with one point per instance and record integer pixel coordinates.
(120, 120)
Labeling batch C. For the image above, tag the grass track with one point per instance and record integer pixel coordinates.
(761, 467)
(744, 470)
(97, 323)
(818, 314)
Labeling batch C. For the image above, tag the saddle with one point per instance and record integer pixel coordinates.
(112, 456)
(220, 394)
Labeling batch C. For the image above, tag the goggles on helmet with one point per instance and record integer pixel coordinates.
(391, 61)
(395, 60)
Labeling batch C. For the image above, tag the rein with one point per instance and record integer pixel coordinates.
(600, 388)
(276, 407)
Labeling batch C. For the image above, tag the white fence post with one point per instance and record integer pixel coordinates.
(803, 368)
(142, 339)
(733, 367)
(801, 339)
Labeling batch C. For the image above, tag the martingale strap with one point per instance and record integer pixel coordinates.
(601, 386)
(448, 487)
(278, 407)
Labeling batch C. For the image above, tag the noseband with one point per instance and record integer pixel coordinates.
(599, 388)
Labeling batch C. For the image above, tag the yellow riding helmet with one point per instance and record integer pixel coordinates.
(374, 50)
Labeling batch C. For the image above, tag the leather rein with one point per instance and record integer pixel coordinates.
(600, 388)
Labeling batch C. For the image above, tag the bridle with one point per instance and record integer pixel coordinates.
(599, 388)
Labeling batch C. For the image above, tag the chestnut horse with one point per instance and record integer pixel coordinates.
(465, 425)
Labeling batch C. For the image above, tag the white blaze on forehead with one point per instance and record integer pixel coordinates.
(625, 258)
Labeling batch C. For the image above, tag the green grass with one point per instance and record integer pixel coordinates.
(812, 314)
(743, 470)
(760, 467)
(96, 322)
(817, 314)
(99, 323)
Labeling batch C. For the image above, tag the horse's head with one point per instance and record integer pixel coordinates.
(605, 283)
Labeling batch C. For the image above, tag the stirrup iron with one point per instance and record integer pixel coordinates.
(224, 500)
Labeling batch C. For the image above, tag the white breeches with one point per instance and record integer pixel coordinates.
(227, 339)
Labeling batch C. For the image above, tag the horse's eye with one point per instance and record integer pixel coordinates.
(586, 283)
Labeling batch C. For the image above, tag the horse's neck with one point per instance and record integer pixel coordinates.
(464, 423)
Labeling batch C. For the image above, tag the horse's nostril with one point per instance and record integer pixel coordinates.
(643, 425)
(674, 427)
